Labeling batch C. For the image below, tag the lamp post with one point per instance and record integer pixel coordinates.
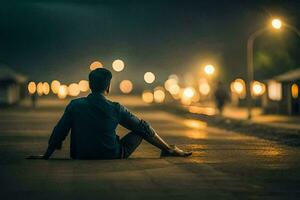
(276, 24)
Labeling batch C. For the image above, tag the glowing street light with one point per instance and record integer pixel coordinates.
(39, 89)
(149, 77)
(174, 89)
(295, 91)
(258, 88)
(84, 85)
(209, 69)
(118, 65)
(62, 92)
(147, 96)
(238, 87)
(55, 86)
(95, 65)
(46, 88)
(169, 83)
(159, 95)
(31, 87)
(126, 86)
(276, 23)
(73, 89)
(204, 88)
(189, 92)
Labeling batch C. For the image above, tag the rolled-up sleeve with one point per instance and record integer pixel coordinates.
(133, 123)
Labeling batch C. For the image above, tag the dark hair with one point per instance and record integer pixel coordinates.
(99, 79)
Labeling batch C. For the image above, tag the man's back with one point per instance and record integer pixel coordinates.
(93, 128)
(92, 120)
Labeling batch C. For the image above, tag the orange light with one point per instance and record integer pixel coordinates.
(239, 87)
(126, 86)
(62, 92)
(258, 88)
(73, 89)
(31, 87)
(55, 86)
(276, 23)
(295, 91)
(204, 87)
(149, 77)
(39, 89)
(189, 92)
(159, 95)
(147, 96)
(46, 88)
(118, 65)
(209, 69)
(84, 85)
(95, 65)
(275, 90)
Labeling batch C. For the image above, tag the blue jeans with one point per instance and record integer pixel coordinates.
(129, 143)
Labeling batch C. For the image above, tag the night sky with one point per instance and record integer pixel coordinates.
(59, 39)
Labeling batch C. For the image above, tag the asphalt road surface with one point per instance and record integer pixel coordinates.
(225, 165)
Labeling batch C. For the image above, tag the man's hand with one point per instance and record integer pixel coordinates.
(43, 157)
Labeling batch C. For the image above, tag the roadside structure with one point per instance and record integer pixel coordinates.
(282, 95)
(12, 86)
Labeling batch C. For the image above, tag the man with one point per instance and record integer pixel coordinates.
(221, 96)
(93, 121)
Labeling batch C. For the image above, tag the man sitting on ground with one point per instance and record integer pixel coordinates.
(93, 121)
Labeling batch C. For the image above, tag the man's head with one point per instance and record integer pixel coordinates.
(99, 80)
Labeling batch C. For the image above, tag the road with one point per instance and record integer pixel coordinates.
(225, 165)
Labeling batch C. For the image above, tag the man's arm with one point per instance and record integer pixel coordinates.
(59, 132)
(133, 123)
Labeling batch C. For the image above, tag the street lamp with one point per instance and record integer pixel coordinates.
(276, 24)
(209, 69)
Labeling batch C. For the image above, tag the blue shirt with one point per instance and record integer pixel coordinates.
(93, 121)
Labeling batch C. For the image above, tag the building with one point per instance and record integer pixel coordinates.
(283, 94)
(12, 86)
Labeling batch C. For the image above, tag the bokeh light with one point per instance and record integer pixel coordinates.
(196, 97)
(295, 91)
(84, 85)
(209, 69)
(258, 88)
(169, 83)
(159, 95)
(276, 23)
(95, 65)
(174, 89)
(238, 86)
(55, 86)
(62, 92)
(186, 101)
(126, 86)
(118, 65)
(147, 96)
(174, 76)
(204, 87)
(46, 88)
(275, 90)
(39, 89)
(149, 77)
(31, 87)
(73, 89)
(189, 92)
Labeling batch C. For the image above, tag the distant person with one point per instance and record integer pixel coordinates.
(33, 98)
(221, 97)
(93, 121)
